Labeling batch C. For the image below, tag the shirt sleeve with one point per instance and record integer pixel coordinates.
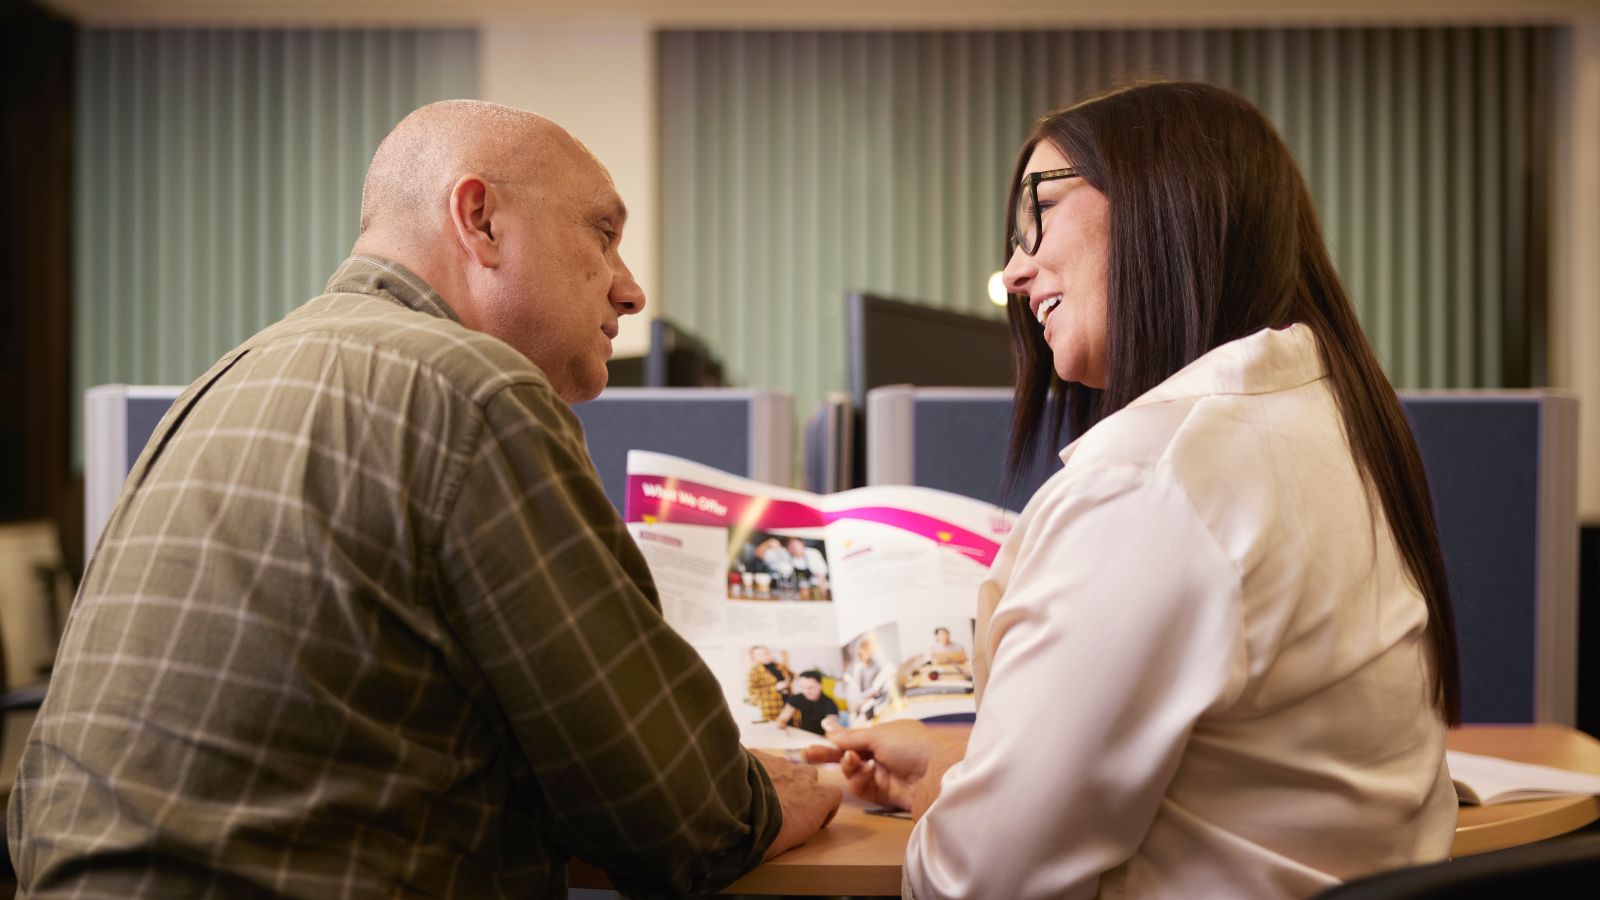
(1119, 627)
(635, 758)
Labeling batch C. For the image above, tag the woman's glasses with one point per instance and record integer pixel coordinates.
(1027, 221)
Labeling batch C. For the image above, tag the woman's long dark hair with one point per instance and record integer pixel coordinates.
(1213, 237)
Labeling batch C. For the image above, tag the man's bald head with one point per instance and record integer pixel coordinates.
(514, 224)
(409, 181)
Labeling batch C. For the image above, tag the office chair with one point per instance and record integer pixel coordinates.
(1557, 868)
(19, 700)
(13, 700)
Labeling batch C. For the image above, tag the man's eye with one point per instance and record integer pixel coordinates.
(1045, 206)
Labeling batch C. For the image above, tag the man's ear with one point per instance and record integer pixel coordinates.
(473, 205)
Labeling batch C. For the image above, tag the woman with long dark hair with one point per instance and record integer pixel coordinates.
(1216, 657)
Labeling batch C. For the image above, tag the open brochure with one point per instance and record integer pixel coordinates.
(1488, 779)
(852, 607)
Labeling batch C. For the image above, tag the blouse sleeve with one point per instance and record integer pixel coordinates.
(1119, 627)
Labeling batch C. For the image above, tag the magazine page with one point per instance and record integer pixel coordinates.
(742, 571)
(907, 563)
(814, 611)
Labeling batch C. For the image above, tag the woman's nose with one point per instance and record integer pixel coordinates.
(1019, 272)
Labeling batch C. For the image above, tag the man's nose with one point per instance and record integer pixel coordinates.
(626, 294)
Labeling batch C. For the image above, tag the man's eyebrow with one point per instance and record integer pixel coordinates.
(612, 210)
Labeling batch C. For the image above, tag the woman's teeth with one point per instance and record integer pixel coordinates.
(1048, 305)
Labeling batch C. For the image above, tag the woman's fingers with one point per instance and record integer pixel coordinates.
(849, 763)
(823, 753)
(864, 785)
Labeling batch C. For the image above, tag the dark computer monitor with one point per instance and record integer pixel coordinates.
(676, 358)
(890, 341)
(679, 359)
(894, 342)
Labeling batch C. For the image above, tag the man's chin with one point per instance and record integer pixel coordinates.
(585, 390)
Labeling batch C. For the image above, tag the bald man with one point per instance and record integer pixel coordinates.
(363, 622)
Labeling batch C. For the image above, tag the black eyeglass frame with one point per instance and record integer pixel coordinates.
(1028, 189)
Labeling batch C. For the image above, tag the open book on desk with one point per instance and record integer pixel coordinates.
(873, 591)
(1482, 780)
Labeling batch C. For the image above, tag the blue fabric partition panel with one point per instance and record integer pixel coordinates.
(953, 439)
(1503, 469)
(829, 445)
(117, 421)
(745, 432)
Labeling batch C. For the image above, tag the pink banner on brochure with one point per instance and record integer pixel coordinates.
(655, 498)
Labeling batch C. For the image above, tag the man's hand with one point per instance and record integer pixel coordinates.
(893, 764)
(806, 804)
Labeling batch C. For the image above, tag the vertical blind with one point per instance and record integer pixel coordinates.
(218, 179)
(800, 166)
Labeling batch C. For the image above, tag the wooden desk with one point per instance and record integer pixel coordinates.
(860, 854)
(857, 854)
(1480, 829)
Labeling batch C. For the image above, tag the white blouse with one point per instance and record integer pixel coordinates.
(1202, 667)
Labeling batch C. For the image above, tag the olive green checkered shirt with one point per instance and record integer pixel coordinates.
(364, 624)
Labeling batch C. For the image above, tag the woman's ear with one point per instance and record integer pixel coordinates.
(473, 205)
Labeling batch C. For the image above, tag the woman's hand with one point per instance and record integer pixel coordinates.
(893, 764)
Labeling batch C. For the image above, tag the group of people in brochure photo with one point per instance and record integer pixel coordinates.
(807, 700)
(778, 567)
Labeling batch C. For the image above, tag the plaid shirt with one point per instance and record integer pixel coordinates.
(364, 624)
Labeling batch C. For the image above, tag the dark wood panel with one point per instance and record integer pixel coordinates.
(37, 61)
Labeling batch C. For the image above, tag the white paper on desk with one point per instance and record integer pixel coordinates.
(1490, 779)
(768, 736)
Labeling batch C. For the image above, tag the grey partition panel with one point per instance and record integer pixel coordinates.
(829, 445)
(144, 414)
(745, 432)
(1503, 469)
(953, 439)
(118, 422)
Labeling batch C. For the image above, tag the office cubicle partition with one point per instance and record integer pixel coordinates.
(953, 439)
(117, 421)
(831, 444)
(747, 433)
(1503, 469)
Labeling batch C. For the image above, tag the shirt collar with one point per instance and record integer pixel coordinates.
(362, 274)
(1271, 360)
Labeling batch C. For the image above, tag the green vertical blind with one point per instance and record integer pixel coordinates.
(800, 166)
(218, 179)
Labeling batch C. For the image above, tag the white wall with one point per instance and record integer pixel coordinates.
(1575, 249)
(599, 82)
